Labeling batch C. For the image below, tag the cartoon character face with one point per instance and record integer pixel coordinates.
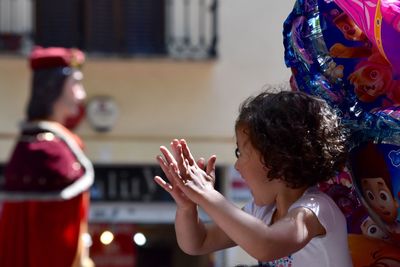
(380, 198)
(349, 29)
(370, 80)
(371, 229)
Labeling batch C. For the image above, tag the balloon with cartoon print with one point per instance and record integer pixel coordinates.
(375, 168)
(332, 55)
(380, 21)
(348, 58)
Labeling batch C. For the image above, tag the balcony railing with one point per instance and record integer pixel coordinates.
(15, 24)
(184, 29)
(191, 28)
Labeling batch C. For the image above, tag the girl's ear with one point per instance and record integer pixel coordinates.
(265, 168)
(262, 160)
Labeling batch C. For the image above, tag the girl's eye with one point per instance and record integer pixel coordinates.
(237, 153)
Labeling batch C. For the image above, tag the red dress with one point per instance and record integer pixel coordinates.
(47, 199)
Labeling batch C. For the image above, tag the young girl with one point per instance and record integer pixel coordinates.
(287, 142)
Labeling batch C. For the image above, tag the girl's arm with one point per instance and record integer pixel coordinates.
(196, 238)
(263, 242)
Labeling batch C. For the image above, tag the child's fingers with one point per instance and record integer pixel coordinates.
(166, 186)
(201, 162)
(211, 166)
(178, 196)
(169, 158)
(186, 152)
(165, 167)
(176, 149)
(174, 144)
(174, 172)
(163, 164)
(180, 158)
(190, 169)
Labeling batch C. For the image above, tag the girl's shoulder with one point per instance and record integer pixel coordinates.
(322, 205)
(314, 195)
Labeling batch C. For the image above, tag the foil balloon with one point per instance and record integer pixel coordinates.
(376, 170)
(344, 51)
(367, 252)
(331, 56)
(380, 21)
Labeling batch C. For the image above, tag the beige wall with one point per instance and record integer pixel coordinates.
(161, 99)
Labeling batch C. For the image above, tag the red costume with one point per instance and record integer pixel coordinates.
(45, 194)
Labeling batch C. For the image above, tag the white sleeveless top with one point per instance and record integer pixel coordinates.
(330, 250)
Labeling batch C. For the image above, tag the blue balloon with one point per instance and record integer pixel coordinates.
(331, 57)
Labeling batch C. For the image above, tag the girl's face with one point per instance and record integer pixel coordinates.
(72, 96)
(250, 165)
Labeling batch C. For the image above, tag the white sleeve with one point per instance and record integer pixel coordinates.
(249, 207)
(328, 214)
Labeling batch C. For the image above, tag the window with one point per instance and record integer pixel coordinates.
(125, 27)
(58, 23)
(172, 28)
(191, 28)
(15, 24)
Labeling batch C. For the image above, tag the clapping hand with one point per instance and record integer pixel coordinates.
(188, 180)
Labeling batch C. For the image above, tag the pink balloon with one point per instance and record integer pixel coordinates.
(380, 21)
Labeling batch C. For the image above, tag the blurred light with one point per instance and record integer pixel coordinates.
(139, 239)
(87, 240)
(106, 237)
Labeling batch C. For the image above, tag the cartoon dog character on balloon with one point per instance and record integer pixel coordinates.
(372, 77)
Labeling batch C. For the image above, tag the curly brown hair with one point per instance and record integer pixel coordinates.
(300, 137)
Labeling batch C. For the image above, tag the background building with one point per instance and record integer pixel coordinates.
(155, 70)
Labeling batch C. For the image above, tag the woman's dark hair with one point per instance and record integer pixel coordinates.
(299, 136)
(47, 87)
